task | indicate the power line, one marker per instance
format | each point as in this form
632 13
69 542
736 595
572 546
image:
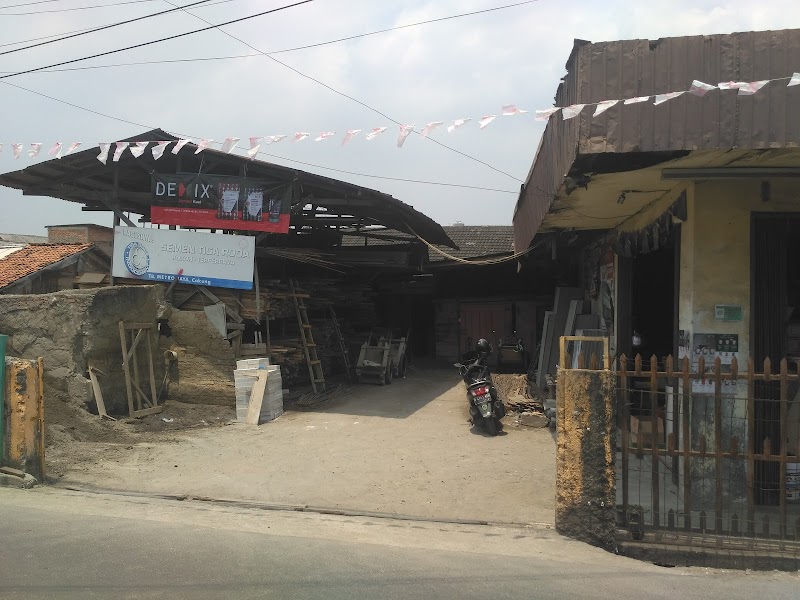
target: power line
369 175
151 42
356 100
102 27
32 3
59 10
282 51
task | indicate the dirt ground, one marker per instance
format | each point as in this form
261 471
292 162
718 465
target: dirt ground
406 448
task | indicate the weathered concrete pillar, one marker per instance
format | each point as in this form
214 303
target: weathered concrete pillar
585 477
23 437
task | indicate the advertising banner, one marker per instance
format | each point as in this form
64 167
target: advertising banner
197 258
218 202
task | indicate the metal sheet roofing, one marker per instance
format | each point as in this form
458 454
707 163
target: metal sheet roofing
721 120
81 178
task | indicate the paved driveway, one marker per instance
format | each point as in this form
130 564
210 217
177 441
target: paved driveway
404 448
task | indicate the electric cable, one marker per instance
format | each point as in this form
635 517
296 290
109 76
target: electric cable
369 175
282 51
157 41
356 100
101 28
72 9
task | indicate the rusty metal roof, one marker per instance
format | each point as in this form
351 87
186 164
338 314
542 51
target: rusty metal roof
81 178
721 120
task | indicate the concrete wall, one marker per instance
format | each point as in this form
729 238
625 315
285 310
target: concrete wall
70 328
715 251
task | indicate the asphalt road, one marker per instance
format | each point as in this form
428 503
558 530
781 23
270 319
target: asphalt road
68 545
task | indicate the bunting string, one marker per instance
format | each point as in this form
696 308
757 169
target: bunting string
138 148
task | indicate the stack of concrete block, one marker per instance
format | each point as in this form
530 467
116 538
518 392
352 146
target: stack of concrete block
245 377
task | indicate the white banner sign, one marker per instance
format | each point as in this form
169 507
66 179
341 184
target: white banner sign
195 258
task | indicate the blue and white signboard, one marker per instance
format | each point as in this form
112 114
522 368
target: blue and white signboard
210 259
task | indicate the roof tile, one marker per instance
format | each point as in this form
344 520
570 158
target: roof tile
33 258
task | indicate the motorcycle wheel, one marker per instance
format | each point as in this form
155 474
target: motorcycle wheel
491 425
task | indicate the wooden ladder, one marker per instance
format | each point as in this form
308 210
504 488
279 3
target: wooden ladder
342 344
309 347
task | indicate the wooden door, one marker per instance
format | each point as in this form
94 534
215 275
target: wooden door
490 321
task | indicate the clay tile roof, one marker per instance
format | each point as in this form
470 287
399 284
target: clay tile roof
35 257
475 241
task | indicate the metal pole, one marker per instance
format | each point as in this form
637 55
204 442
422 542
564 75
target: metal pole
3 342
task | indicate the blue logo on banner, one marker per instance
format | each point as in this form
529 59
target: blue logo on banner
137 260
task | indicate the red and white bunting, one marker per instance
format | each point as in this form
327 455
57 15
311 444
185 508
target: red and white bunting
274 139
604 106
486 120
324 136
181 143
456 124
698 88
121 146
569 112
375 132
72 147
795 80
545 114
204 143
349 135
751 88
229 144
300 136
636 100
36 147
104 148
509 110
139 149
55 150
405 131
430 127
158 149
661 98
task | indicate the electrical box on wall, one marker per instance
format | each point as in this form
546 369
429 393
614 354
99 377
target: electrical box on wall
728 312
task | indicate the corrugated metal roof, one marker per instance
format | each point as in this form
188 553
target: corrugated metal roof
33 258
631 68
21 238
80 177
473 241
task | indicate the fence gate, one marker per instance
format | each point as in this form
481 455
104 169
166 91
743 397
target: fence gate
708 457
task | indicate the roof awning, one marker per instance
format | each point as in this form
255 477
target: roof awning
325 203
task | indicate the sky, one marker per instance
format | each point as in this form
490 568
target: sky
465 67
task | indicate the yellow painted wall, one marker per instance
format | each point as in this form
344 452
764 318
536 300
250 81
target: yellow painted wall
715 251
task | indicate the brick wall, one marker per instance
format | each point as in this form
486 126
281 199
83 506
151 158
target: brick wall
102 237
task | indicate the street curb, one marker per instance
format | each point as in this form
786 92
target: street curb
304 508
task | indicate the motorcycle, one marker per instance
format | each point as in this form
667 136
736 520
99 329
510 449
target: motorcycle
485 407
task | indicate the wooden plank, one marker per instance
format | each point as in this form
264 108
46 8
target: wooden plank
130 326
136 340
125 366
98 395
258 289
256 399
153 392
147 411
751 463
655 482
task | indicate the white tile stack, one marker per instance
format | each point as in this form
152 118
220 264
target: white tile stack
245 377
